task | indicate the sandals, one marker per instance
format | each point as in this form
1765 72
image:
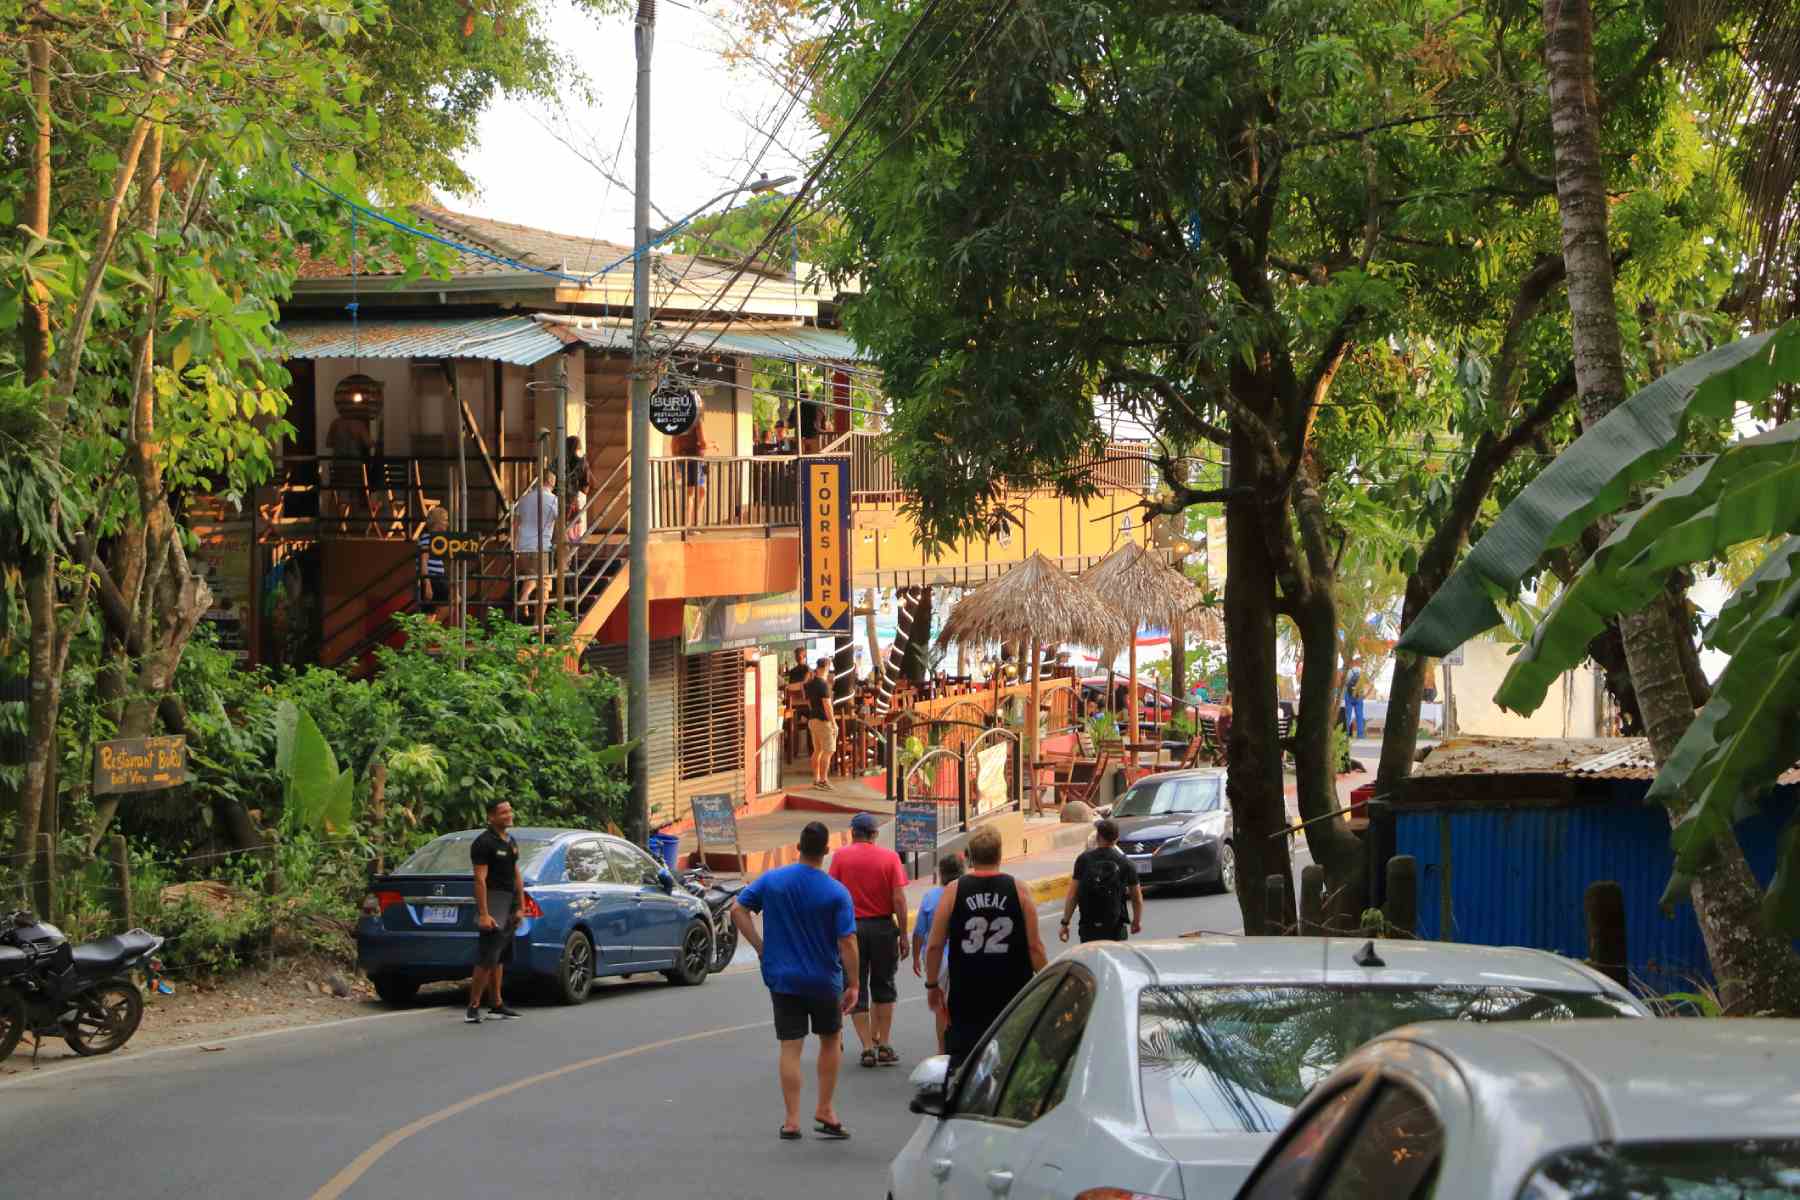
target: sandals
831 1132
790 1135
870 1057
887 1056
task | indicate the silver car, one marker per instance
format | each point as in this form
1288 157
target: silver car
1603 1110
1164 1069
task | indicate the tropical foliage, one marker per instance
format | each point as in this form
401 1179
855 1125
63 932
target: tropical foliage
1748 733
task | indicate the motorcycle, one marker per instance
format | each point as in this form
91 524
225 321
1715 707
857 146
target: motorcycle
83 994
719 897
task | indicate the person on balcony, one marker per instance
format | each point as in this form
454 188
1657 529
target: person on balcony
694 447
434 583
534 540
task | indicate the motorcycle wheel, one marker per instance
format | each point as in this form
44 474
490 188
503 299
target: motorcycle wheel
106 1016
725 943
12 1020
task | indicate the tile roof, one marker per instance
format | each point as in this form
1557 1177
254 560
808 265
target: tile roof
563 253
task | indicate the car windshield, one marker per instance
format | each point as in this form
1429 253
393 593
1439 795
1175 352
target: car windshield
1163 797
1734 1170
1238 1059
449 855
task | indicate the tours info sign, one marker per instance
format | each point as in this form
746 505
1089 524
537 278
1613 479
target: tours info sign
140 765
825 545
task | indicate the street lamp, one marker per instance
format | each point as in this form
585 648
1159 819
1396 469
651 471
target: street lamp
762 185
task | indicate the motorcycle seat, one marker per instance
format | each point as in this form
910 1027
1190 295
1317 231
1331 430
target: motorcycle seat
13 961
110 953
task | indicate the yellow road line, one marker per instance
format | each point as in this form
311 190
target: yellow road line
340 1183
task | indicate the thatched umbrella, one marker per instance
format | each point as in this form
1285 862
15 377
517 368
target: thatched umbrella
1145 591
1033 603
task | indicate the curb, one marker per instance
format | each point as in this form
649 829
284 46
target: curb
1046 890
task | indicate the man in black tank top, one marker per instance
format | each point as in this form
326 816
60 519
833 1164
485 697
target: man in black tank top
991 930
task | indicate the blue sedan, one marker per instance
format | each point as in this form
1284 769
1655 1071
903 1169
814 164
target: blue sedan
596 905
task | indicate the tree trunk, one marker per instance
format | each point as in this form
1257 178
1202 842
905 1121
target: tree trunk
1253 779
1754 971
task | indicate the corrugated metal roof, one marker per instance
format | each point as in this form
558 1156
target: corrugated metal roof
1469 755
513 339
795 343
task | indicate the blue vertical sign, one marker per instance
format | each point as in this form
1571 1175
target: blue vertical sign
825 545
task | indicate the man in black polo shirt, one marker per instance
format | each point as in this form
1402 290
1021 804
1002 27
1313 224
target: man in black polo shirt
499 892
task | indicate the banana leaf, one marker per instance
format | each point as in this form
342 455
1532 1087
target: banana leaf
1764 586
1749 491
1595 477
1739 743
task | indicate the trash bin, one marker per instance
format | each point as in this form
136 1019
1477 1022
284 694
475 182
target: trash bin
666 847
1359 801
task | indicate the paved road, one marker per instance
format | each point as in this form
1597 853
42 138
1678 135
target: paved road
644 1091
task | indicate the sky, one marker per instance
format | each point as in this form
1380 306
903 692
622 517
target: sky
703 135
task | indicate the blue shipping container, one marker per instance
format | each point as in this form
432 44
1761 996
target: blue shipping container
1516 876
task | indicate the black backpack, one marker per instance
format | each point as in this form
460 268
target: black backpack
1101 896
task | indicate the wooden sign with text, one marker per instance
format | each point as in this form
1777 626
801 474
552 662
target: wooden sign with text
140 765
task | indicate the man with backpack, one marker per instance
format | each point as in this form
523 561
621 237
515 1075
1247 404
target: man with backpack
1102 881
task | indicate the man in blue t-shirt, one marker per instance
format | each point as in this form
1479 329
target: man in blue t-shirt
808 948
949 870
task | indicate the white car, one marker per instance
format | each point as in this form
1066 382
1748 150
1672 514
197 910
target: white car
1164 1069
1603 1110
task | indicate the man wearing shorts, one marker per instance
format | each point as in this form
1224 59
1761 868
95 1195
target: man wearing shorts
877 884
499 894
819 723
808 949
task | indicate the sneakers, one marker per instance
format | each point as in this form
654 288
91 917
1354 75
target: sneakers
501 1012
472 1017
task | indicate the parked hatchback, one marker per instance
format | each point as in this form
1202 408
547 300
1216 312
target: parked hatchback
1673 1110
597 905
1164 1069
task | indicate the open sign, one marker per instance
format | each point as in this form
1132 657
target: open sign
450 545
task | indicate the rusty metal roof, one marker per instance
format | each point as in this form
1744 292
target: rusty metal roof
509 339
1585 758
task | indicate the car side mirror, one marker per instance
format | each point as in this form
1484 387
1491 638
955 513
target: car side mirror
931 1087
664 879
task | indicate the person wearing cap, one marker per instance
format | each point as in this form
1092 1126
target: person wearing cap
877 885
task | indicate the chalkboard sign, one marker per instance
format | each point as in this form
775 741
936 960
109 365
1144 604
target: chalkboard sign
140 765
915 827
715 825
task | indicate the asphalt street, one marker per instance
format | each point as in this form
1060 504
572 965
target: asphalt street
645 1091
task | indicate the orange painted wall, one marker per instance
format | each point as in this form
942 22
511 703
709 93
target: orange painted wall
883 538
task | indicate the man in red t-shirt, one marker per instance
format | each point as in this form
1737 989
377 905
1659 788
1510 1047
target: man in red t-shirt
877 884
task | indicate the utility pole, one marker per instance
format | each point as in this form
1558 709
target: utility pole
637 603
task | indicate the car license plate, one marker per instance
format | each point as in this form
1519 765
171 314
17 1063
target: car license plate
1140 861
439 914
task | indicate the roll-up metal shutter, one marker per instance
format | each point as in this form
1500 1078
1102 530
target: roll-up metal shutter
710 735
659 742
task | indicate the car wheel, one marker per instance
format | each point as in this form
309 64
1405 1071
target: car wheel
695 963
575 973
1227 869
394 990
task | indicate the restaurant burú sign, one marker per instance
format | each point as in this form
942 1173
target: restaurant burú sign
140 764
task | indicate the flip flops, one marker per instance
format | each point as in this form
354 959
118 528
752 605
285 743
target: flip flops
790 1135
831 1132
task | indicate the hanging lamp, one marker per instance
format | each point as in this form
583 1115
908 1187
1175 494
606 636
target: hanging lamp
357 394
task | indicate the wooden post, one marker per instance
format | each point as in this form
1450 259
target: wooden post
44 877
1604 906
1275 905
1402 906
121 871
1031 721
378 809
1312 900
1132 703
